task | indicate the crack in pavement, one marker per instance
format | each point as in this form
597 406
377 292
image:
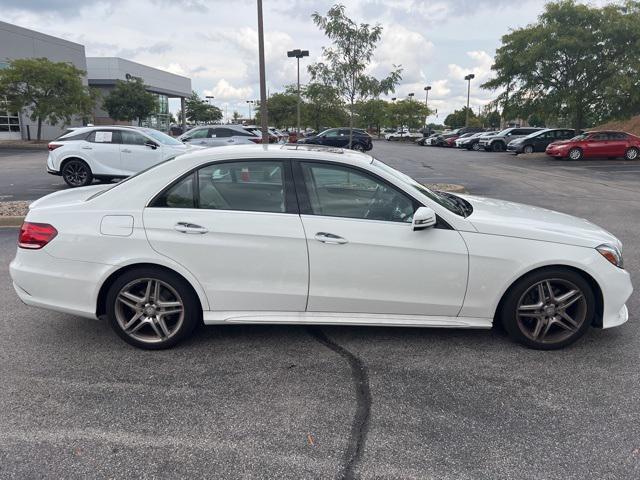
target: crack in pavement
360 424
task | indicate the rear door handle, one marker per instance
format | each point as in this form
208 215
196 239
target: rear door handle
87 148
325 237
186 227
126 150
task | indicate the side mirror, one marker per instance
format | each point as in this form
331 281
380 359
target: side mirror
424 217
151 145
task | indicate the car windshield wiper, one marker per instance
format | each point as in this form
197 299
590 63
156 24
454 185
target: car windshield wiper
462 205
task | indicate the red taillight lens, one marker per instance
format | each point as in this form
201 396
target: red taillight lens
36 235
53 146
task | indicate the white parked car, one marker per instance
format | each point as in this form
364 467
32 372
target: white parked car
105 153
300 234
400 134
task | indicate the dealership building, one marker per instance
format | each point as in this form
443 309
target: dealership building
102 73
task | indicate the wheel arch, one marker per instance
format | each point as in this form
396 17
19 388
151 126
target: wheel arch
73 157
597 321
101 306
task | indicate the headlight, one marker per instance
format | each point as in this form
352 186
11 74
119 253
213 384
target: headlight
612 254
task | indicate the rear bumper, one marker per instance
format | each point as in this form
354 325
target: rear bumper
51 171
67 286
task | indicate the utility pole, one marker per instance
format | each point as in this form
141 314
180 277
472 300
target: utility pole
263 81
298 54
468 78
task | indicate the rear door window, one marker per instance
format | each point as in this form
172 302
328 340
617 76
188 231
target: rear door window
104 136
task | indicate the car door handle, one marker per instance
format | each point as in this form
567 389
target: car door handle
186 227
330 238
125 150
87 148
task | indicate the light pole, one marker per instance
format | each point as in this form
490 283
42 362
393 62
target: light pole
263 78
209 98
426 103
410 95
298 54
468 78
393 99
250 102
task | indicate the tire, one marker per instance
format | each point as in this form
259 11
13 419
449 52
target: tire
632 154
575 154
528 149
498 146
544 325
76 173
358 147
134 312
475 147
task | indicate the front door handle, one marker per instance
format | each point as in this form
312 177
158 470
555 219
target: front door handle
325 237
186 227
126 150
87 148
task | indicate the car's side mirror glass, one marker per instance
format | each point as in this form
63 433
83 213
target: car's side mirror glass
424 217
151 145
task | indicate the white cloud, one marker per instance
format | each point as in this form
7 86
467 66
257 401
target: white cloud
223 90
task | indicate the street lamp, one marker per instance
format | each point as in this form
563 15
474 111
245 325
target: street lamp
468 78
298 54
426 103
209 98
250 102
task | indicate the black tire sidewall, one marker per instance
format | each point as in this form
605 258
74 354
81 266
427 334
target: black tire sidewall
507 315
191 305
89 178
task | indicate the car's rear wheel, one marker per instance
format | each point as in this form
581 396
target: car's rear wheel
151 308
575 154
632 153
548 309
498 146
76 173
528 149
358 147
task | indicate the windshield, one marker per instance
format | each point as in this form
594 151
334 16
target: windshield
503 132
582 136
451 202
161 137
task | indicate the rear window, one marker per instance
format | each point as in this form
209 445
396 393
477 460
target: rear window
69 135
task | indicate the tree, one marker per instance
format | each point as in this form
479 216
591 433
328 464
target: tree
282 108
322 106
198 111
345 62
130 100
458 118
407 113
236 116
372 113
50 91
577 61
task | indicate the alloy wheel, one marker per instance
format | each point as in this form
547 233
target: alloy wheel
551 311
632 154
475 147
528 149
75 174
575 154
149 310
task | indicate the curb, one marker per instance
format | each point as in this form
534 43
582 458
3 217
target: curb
13 221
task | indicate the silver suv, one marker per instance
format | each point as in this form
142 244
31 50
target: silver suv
219 135
499 141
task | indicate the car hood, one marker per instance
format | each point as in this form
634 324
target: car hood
510 219
560 142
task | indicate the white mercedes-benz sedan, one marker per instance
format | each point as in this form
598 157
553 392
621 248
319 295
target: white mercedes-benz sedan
311 235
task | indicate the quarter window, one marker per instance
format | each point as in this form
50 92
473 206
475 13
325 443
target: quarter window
338 191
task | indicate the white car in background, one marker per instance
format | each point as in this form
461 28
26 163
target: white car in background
104 153
403 133
307 235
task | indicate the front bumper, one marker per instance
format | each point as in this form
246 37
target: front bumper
515 148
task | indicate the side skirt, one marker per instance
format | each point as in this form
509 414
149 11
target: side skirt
333 318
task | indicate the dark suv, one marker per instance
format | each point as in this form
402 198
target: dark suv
538 141
339 137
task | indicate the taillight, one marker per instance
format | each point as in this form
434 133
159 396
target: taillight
36 235
255 139
53 146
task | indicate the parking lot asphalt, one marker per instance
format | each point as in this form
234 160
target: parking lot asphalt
331 402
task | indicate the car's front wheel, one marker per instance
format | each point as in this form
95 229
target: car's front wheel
475 147
358 147
548 309
575 154
151 308
632 153
76 173
498 146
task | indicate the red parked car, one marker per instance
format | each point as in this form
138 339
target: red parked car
600 144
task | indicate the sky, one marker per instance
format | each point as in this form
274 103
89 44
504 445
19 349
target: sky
215 42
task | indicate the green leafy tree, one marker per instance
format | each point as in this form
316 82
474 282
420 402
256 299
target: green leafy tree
236 117
51 92
322 106
407 113
577 61
345 62
458 118
372 113
490 119
198 111
282 108
130 100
